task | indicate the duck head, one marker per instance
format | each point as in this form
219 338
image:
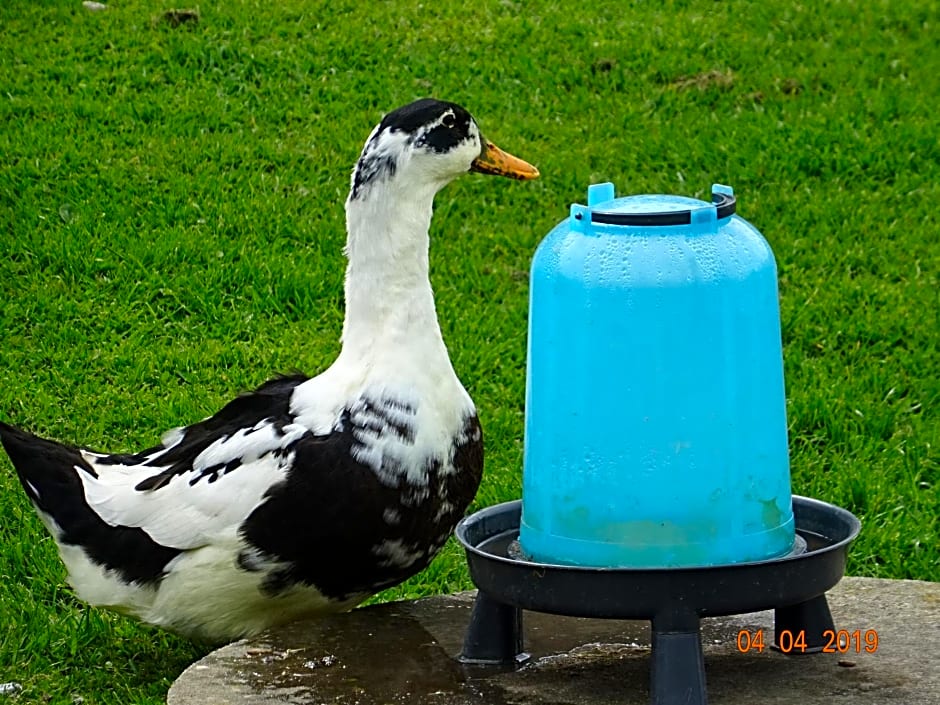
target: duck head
427 144
411 154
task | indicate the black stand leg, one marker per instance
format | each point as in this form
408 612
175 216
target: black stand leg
494 636
677 672
805 622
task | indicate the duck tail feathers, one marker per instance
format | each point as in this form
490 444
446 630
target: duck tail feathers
47 469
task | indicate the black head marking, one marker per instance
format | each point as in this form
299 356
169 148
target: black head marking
372 166
412 117
435 125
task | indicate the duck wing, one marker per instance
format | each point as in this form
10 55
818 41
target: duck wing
204 479
135 512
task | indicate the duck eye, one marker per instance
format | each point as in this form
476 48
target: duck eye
449 120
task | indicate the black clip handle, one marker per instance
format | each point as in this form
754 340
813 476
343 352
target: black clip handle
726 205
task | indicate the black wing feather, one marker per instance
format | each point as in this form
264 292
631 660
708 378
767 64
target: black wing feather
270 401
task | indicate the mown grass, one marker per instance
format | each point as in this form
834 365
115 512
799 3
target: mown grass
171 228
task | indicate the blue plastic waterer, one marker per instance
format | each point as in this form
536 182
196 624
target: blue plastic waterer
655 430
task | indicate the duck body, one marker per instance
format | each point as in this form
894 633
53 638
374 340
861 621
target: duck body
306 495
249 518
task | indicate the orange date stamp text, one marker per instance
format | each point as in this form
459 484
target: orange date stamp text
840 641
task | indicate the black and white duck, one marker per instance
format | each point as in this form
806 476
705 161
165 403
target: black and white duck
308 494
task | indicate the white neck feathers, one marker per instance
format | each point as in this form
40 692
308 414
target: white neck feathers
389 303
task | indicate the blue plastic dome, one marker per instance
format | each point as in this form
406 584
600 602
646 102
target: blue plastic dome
655 431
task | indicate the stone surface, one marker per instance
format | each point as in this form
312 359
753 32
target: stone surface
403 653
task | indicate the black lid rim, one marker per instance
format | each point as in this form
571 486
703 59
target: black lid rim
726 205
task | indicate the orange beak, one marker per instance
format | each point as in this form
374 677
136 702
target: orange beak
493 160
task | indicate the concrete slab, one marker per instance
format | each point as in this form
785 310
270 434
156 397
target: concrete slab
404 653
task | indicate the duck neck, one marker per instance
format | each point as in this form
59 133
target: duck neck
389 302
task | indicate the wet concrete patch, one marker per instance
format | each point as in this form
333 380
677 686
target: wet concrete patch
404 653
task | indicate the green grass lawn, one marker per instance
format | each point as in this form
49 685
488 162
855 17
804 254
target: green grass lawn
171 226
